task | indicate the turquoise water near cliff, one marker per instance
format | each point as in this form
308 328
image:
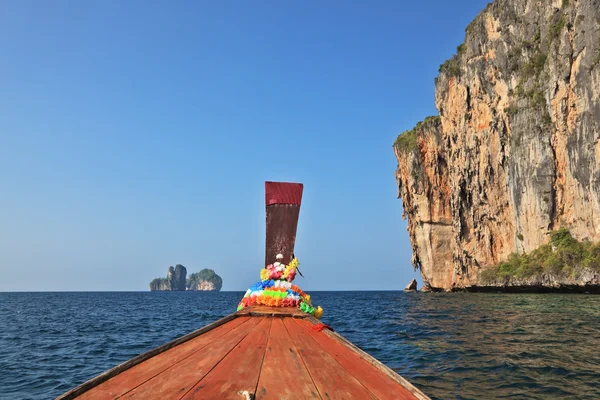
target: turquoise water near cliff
459 345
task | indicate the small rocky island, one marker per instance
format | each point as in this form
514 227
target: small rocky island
205 280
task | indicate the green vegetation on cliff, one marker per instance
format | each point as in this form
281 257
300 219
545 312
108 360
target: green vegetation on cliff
407 140
563 256
160 284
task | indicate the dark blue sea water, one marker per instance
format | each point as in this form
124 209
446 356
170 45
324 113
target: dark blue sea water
461 345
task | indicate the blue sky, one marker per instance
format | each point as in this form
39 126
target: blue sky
137 135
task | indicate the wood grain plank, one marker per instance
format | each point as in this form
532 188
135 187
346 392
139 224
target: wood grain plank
282 221
140 373
331 379
283 374
368 374
366 356
176 381
238 371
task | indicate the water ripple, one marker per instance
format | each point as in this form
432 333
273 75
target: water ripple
461 346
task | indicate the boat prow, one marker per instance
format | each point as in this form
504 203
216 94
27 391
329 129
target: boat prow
256 353
259 352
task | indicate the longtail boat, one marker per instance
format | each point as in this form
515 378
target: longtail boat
273 347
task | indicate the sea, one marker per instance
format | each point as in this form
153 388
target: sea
450 345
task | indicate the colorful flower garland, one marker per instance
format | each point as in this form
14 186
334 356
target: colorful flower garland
276 290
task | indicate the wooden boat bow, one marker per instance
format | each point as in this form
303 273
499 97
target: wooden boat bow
258 352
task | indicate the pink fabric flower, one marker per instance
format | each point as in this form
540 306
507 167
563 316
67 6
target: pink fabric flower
291 275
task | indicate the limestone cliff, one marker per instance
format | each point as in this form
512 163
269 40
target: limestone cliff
514 152
175 280
205 280
160 284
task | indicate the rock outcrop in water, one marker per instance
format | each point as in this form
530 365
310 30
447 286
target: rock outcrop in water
205 280
514 154
177 277
175 280
160 284
412 286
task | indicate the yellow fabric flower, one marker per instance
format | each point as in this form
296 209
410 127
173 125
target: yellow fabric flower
264 274
307 299
290 267
318 312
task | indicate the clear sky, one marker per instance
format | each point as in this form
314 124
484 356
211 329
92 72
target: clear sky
135 135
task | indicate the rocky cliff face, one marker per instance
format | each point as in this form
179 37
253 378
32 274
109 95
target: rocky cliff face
205 286
206 280
177 277
175 280
514 152
160 284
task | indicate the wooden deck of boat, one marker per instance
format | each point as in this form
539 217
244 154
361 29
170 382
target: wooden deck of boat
272 353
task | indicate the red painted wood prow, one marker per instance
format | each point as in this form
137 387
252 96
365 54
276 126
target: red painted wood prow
282 200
